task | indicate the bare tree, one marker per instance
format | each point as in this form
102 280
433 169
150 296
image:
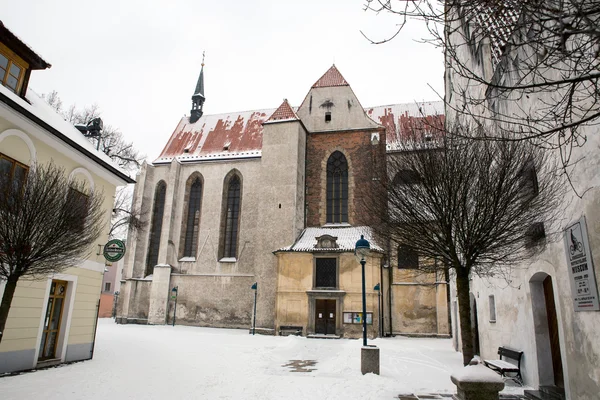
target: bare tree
468 206
110 139
124 215
112 143
531 66
48 224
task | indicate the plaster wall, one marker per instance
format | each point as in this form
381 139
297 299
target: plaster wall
271 216
516 297
29 144
341 102
295 288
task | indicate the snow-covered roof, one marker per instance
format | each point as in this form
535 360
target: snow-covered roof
239 134
283 113
347 236
37 107
402 120
216 136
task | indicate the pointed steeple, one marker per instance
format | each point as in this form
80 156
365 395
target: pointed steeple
198 96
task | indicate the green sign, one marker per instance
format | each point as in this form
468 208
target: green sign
114 250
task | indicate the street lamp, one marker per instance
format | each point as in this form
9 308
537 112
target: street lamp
255 288
174 297
361 251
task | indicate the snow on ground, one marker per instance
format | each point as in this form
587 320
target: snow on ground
165 362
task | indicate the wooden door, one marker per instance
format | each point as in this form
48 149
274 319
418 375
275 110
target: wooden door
553 330
325 317
56 300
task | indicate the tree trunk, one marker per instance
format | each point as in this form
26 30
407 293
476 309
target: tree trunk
464 311
9 291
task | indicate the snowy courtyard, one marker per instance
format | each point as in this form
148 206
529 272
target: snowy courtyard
165 362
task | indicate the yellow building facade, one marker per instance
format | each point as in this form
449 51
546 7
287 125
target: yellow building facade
52 319
319 285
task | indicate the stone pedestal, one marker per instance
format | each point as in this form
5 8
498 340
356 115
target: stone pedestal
477 382
369 360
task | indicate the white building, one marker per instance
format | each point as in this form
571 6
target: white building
538 311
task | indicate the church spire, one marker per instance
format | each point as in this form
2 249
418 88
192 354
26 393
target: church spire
198 96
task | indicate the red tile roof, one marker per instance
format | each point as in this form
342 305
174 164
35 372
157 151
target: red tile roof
239 134
284 112
331 78
402 121
231 135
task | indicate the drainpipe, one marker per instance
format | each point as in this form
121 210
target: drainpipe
390 277
95 328
381 299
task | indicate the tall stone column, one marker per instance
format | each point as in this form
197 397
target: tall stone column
159 295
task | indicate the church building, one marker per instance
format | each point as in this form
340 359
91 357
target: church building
271 200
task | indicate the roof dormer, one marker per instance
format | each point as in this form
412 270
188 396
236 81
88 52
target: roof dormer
17 61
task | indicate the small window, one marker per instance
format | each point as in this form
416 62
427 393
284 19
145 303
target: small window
77 203
107 286
328 116
407 177
535 234
326 273
12 171
492 308
529 180
408 258
11 72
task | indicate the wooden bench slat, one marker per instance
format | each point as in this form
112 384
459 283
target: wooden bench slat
505 365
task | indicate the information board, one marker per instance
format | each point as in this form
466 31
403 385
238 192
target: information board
581 267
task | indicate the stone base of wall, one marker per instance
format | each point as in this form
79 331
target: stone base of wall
125 320
423 335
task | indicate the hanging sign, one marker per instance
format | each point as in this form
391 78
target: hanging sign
114 250
581 268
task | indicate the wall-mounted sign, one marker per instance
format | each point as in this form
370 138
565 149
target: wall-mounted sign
114 250
581 267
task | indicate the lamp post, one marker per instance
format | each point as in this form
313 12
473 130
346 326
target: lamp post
255 288
174 293
378 289
361 251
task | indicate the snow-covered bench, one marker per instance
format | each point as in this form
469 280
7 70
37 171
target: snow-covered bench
503 367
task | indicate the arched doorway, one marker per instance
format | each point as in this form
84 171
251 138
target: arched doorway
547 338
474 325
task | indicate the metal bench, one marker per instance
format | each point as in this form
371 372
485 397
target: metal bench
504 367
286 330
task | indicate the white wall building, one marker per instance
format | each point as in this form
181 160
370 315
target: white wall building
535 310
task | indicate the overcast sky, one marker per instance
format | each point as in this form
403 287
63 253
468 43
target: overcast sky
140 60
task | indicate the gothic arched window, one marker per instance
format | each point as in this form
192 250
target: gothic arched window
192 218
230 219
337 188
156 226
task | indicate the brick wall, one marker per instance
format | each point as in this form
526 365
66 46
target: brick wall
366 164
